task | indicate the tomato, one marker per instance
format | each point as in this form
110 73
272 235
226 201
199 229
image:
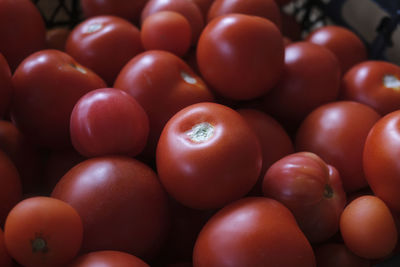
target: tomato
263 8
374 83
5 259
22 30
335 254
345 44
368 228
311 78
204 6
166 30
290 27
5 86
188 9
254 231
104 44
121 202
56 38
208 156
47 84
311 189
380 162
108 121
240 56
158 75
43 231
108 258
337 132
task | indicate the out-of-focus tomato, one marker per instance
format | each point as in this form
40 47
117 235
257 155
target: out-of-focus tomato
22 30
290 27
374 83
380 159
345 44
121 202
311 77
163 84
56 38
204 6
166 30
43 231
368 228
108 121
336 254
5 86
337 132
252 232
208 156
108 258
104 44
47 84
240 56
187 8
311 189
5 259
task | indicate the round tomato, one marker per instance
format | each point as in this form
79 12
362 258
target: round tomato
252 232
204 6
108 258
240 56
335 254
43 231
5 259
208 156
56 38
5 86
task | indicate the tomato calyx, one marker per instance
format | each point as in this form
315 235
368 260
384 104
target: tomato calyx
328 191
391 81
188 78
200 132
39 244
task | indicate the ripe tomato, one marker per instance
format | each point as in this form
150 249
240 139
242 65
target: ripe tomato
56 38
240 56
204 6
121 202
43 231
5 86
254 231
374 83
5 259
47 84
104 44
335 254
166 30
208 156
108 121
368 227
108 258
346 45
337 132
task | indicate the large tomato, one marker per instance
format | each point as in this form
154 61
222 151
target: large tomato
208 156
5 86
108 258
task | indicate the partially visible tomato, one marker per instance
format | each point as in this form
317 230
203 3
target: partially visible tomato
109 258
204 6
5 259
56 38
337 254
6 89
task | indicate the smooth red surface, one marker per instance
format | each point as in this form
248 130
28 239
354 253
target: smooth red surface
56 38
337 254
5 259
6 89
108 258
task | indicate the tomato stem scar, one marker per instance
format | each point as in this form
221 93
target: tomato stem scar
200 132
328 191
93 27
391 81
39 245
78 68
188 78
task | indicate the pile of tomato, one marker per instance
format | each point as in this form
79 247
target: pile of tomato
194 133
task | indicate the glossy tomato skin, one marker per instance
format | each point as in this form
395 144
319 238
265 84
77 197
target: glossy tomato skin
380 162
121 202
5 259
208 156
5 86
43 231
374 83
104 44
47 84
254 231
108 258
311 189
346 45
311 77
22 30
368 228
337 254
108 121
159 75
337 132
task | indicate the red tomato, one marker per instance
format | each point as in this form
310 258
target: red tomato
104 44
5 259
380 159
335 254
108 121
252 232
56 38
337 132
208 156
374 83
240 56
204 6
368 228
47 84
163 84
187 8
5 86
121 202
166 30
346 45
311 189
43 231
311 78
108 258
263 8
22 30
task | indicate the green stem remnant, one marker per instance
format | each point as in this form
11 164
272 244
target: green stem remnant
200 132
